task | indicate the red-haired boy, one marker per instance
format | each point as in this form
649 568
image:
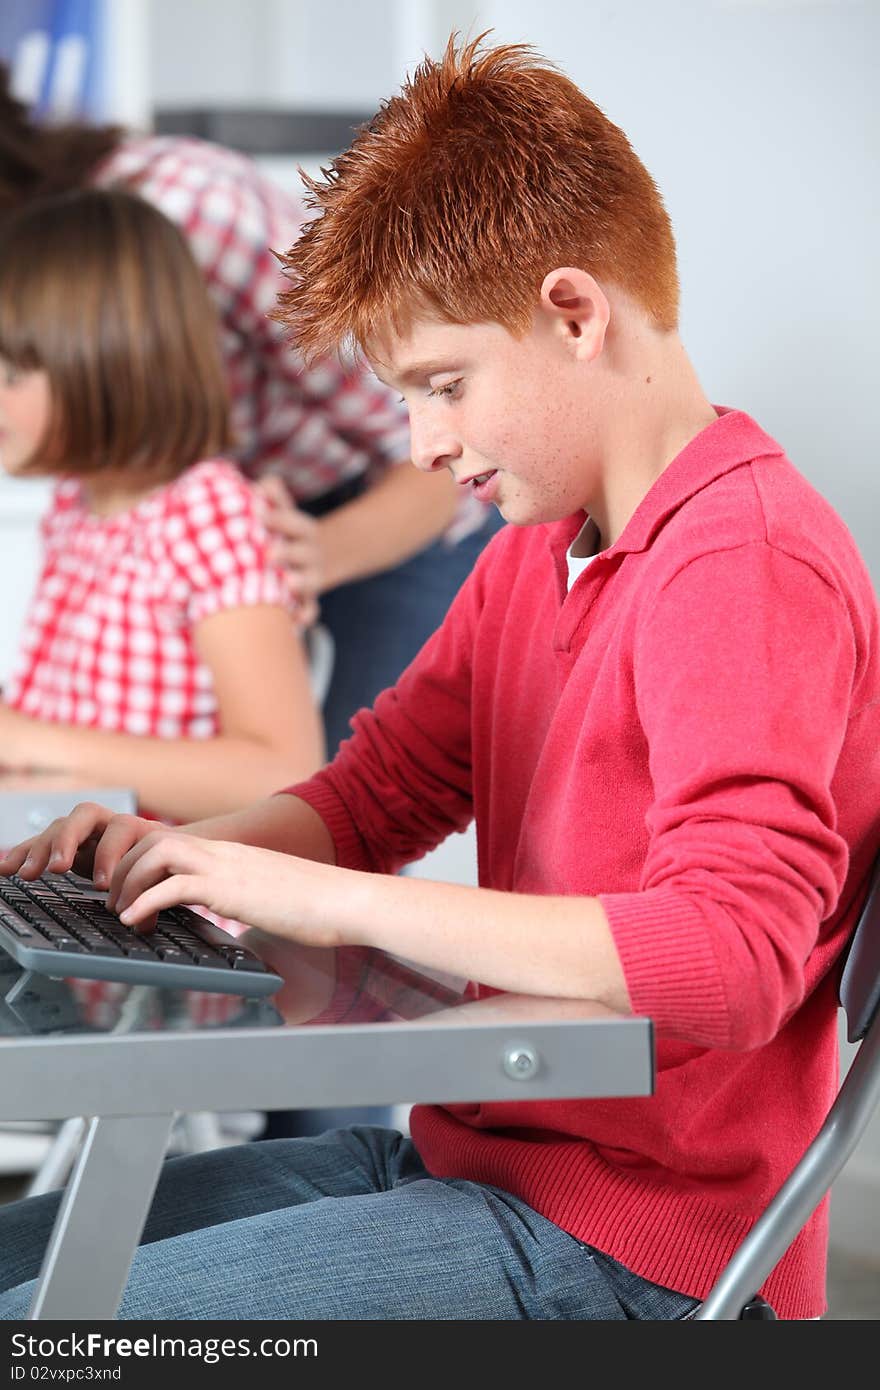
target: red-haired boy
659 695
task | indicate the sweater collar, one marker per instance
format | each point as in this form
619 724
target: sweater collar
730 441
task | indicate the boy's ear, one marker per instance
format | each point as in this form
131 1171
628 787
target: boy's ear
579 309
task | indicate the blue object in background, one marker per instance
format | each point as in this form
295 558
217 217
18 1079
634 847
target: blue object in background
54 49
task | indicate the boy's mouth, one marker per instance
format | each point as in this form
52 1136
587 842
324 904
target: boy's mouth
479 479
484 485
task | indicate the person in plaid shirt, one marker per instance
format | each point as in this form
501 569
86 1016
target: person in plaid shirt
382 548
161 648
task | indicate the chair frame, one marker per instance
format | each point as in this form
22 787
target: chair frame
733 1295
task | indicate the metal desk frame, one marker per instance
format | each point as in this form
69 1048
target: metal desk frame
134 1084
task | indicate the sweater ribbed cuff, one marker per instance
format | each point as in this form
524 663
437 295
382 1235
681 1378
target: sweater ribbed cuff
664 943
321 795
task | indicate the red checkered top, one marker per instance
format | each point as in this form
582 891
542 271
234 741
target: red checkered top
109 638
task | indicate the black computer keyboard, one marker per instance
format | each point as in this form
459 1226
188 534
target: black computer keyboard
60 925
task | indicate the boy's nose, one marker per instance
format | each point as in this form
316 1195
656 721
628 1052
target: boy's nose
431 449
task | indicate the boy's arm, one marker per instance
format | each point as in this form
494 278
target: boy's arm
558 947
284 824
403 782
745 671
744 706
92 839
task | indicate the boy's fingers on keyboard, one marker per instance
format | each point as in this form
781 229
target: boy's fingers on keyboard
39 853
84 859
119 836
68 838
12 859
157 857
171 892
119 895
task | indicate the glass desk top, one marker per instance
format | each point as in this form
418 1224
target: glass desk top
354 986
346 1028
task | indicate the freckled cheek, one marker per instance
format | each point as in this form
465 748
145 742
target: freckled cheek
509 435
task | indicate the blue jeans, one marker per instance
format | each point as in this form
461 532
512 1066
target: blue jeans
378 625
346 1226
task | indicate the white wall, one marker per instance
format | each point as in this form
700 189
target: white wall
275 52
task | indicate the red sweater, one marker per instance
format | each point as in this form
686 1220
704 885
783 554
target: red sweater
692 733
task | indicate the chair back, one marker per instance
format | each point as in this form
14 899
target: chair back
860 982
845 1123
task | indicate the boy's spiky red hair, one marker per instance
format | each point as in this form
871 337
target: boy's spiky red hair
487 171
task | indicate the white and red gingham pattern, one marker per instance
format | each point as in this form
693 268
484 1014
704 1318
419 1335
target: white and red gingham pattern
109 638
317 426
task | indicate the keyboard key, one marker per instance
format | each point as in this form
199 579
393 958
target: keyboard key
19 928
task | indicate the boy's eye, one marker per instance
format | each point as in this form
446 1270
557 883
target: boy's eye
450 389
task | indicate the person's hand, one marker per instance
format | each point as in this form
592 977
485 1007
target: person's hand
91 840
296 546
276 892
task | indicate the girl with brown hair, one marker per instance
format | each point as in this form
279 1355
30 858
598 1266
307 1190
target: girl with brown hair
162 649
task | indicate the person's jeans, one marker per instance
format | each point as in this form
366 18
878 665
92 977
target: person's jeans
346 1226
378 625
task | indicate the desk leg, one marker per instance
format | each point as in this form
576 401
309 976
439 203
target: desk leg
101 1218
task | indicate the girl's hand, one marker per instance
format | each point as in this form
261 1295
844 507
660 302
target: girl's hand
262 888
91 840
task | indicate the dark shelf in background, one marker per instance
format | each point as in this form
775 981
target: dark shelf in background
263 131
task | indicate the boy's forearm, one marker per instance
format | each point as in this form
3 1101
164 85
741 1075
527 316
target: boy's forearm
283 823
560 947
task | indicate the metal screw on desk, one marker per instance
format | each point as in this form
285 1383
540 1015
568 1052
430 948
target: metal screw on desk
520 1062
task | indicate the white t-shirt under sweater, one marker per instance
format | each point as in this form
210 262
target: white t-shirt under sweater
583 549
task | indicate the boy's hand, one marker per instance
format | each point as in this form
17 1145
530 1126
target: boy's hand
91 841
260 887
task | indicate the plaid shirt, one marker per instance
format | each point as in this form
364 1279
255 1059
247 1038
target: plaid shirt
318 426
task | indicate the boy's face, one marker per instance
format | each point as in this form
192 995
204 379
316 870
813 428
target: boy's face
509 417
